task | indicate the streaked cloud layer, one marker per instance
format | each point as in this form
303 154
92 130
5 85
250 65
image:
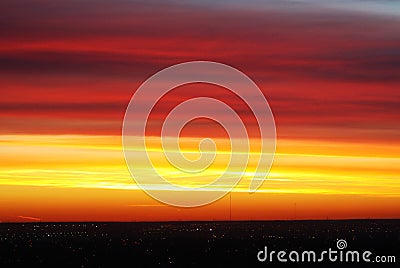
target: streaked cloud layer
330 71
82 61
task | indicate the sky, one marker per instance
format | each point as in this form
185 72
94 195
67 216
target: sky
330 71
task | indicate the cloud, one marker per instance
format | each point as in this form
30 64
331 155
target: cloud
146 205
29 218
80 62
75 39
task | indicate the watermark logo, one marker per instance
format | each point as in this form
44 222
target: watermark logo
341 244
330 255
146 170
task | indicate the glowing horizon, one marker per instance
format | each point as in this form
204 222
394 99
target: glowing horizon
311 173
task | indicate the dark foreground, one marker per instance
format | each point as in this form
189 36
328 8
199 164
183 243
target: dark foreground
193 243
